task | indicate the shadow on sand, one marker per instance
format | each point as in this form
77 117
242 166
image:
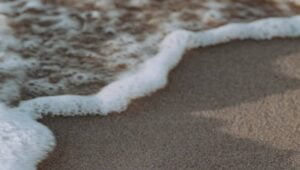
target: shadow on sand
157 133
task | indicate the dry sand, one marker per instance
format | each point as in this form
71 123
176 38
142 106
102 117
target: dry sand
231 106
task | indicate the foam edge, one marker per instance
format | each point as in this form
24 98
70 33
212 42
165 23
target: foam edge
29 141
152 75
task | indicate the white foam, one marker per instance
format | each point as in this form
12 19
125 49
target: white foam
6 39
152 74
138 3
62 34
6 7
33 4
23 141
9 91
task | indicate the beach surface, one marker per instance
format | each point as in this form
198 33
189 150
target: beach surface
230 106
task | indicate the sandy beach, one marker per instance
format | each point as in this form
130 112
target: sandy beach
230 106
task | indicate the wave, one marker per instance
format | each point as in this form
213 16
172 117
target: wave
55 38
24 141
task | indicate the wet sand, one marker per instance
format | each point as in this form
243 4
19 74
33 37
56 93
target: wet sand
231 106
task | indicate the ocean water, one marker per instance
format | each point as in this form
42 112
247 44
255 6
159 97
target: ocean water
77 47
75 57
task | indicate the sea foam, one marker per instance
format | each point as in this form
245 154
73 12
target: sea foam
24 141
153 73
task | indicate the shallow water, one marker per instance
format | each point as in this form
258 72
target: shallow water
77 47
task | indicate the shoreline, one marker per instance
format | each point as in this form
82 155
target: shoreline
44 45
223 107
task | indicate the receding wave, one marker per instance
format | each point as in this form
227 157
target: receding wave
72 57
